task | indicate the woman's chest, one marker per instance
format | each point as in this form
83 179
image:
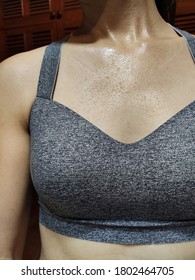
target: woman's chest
83 170
128 97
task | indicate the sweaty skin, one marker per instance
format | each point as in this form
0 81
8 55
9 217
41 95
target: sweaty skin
120 44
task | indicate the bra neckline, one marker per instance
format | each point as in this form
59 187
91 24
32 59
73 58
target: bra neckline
110 138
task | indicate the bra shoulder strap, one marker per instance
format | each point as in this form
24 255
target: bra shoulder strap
189 38
49 69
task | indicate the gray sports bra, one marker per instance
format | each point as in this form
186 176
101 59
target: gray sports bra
93 187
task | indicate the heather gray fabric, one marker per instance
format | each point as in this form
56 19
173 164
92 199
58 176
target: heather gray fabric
93 187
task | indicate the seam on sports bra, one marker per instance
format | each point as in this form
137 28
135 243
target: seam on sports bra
55 78
58 66
135 223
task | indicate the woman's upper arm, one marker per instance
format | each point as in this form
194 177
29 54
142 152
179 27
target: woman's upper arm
15 180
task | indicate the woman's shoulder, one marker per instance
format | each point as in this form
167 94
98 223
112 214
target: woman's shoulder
22 67
19 76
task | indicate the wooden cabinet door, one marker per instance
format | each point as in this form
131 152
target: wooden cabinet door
40 11
12 9
185 15
29 24
2 46
1 16
19 40
69 16
18 13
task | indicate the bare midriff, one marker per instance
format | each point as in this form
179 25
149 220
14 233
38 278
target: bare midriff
59 247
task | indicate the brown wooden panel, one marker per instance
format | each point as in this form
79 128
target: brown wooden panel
2 46
1 16
185 15
70 21
41 38
27 21
26 12
72 17
71 14
42 35
24 39
15 43
39 6
11 8
71 4
185 7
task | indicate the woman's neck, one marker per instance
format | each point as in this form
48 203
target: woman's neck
127 20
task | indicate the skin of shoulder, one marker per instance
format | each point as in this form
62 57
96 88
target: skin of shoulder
19 79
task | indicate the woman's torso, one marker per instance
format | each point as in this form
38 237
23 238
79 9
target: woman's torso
114 101
56 246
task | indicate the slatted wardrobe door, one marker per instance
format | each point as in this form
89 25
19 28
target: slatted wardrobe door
19 40
12 8
186 22
71 4
15 44
29 24
71 16
39 6
185 15
41 38
68 30
43 35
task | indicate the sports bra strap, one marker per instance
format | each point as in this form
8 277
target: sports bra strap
189 38
51 61
49 69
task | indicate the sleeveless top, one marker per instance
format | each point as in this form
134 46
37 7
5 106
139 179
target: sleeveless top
93 187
